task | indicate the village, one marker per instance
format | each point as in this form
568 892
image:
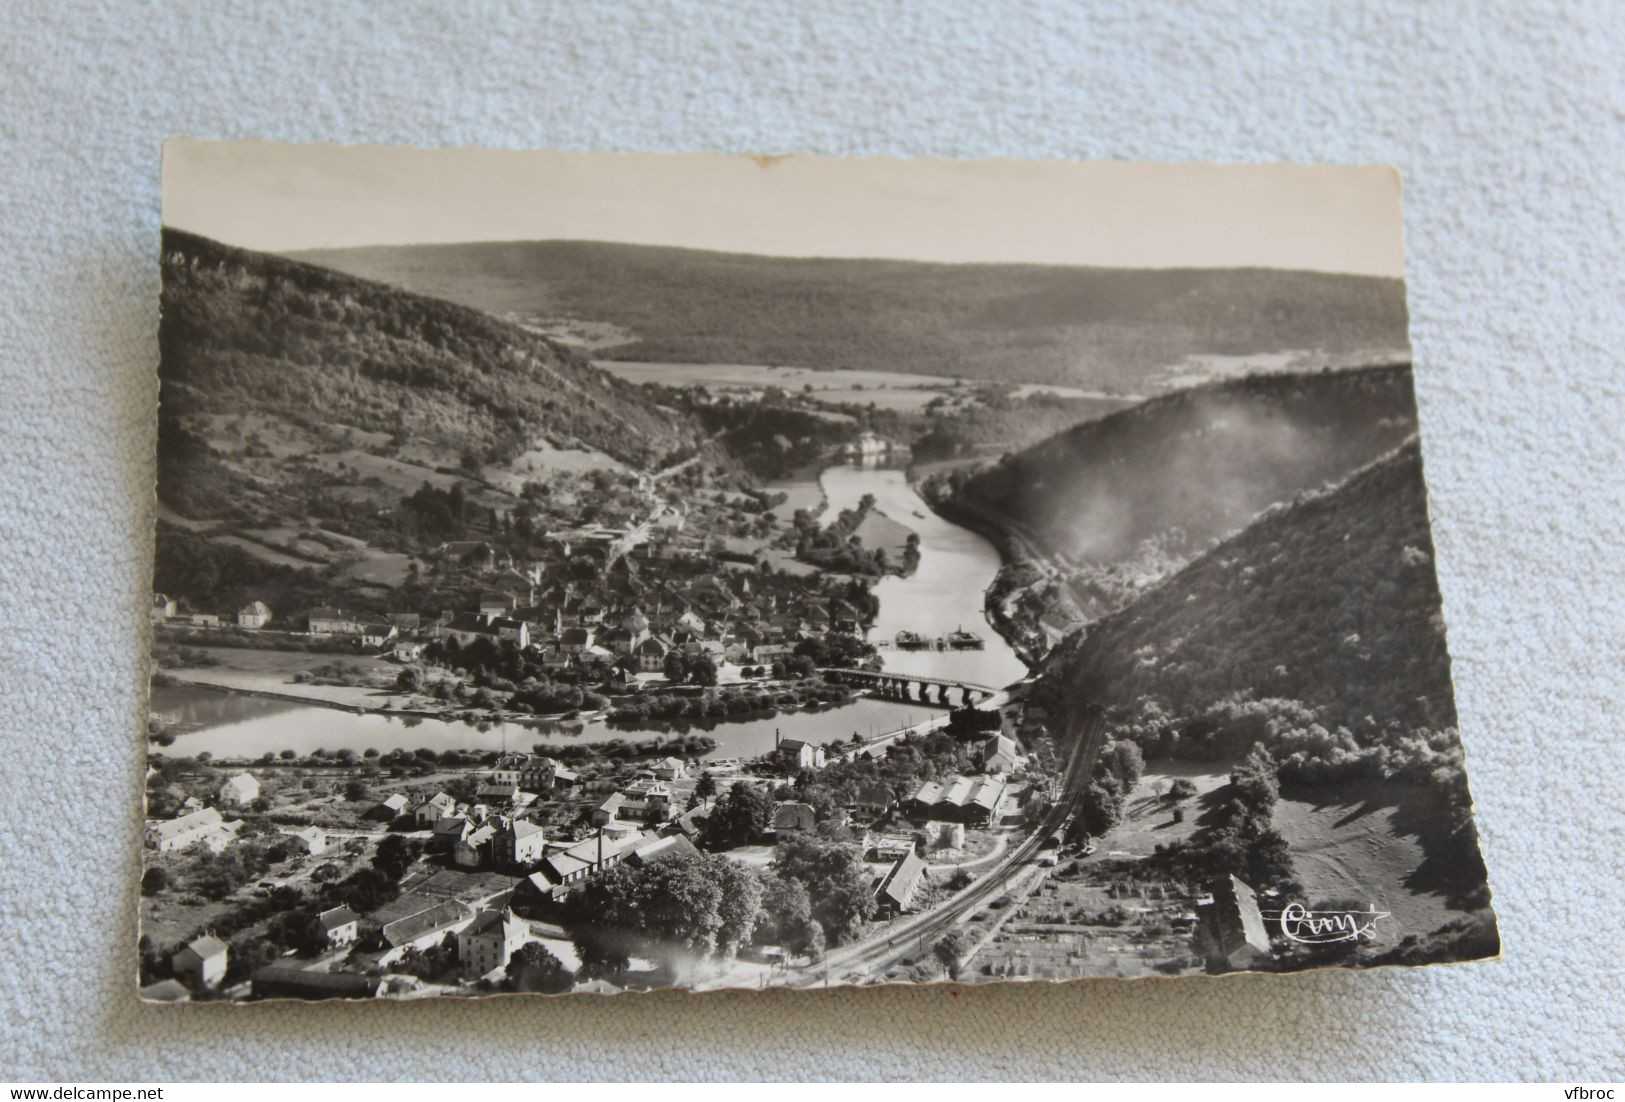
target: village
436 884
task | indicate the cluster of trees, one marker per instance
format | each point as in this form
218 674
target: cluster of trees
693 907
836 546
681 909
724 703
767 438
1237 838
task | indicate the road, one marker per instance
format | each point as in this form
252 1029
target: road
870 957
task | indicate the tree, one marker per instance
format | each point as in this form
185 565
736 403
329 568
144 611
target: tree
533 968
677 908
706 788
950 951
356 790
154 880
738 818
1126 762
836 879
786 918
395 854
675 666
703 670
408 680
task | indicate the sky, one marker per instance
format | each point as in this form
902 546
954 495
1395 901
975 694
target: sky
285 197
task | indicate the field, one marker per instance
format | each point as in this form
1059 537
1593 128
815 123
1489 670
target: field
1366 844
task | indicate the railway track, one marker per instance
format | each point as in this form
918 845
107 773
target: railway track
869 956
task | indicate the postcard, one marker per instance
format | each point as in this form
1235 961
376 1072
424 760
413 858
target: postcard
603 572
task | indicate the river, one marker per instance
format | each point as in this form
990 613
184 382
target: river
231 725
943 594
947 590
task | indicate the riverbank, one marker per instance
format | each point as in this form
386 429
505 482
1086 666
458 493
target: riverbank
1019 566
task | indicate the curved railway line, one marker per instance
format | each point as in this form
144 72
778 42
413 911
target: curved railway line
869 957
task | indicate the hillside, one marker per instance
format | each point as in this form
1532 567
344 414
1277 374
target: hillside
244 332
1317 632
1123 498
1100 327
1327 606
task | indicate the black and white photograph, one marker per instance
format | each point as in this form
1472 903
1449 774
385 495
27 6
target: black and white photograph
609 572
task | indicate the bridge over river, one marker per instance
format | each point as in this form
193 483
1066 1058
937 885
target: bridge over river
908 686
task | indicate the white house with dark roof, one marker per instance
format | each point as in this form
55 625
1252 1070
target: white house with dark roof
310 840
485 945
340 926
202 962
520 843
244 788
254 615
435 808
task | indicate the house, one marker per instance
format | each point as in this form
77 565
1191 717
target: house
493 604
309 841
203 620
407 650
332 621
376 633
474 848
202 963
889 847
670 769
405 621
895 889
520 843
485 945
1000 754
641 802
340 926
475 555
793 816
689 823
239 790
162 608
290 981
1235 927
651 654
540 774
466 627
425 929
874 798
435 808
206 826
797 754
662 849
449 832
498 794
254 615
390 808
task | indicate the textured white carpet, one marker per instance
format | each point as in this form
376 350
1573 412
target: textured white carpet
1508 127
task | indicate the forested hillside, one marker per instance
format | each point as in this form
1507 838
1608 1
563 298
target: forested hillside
1317 631
250 332
1124 497
1024 322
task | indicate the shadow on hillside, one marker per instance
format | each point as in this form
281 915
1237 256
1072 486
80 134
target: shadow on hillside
1451 866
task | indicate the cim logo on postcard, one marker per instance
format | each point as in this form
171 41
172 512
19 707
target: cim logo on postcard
1306 927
